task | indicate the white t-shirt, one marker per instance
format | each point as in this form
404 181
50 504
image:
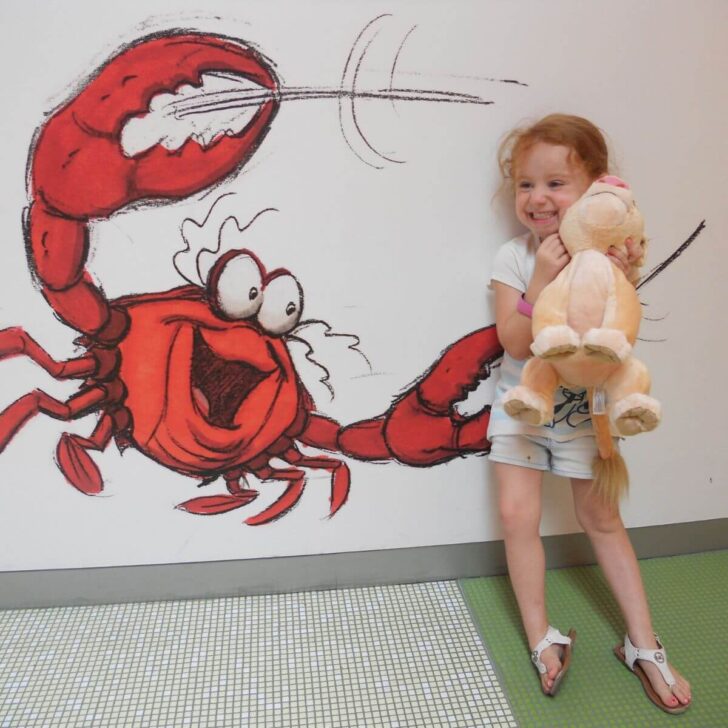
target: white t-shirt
513 265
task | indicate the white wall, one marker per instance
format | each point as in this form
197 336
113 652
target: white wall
399 256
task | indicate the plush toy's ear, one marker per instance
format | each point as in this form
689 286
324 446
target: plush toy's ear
610 179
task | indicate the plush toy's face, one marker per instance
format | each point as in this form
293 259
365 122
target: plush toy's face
605 215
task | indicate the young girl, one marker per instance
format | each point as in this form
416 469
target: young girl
550 165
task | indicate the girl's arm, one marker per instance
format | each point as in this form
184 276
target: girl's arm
514 329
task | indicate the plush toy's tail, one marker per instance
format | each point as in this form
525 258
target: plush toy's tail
611 478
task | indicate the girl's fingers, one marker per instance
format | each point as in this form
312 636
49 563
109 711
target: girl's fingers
616 255
634 250
619 257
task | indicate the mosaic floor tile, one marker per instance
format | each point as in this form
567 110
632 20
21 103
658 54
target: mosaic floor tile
397 656
688 596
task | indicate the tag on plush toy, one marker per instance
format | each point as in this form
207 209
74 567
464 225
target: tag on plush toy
599 402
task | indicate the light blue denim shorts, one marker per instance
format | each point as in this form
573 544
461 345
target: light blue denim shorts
570 459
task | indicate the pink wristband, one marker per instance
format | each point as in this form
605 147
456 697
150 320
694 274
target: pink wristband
524 307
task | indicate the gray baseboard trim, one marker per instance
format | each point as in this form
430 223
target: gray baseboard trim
119 584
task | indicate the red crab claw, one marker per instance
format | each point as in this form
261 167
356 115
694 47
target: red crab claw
163 119
422 427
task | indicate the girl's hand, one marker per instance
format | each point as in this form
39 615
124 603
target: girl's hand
551 259
626 260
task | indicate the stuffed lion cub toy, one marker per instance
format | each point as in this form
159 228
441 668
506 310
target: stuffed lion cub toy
585 324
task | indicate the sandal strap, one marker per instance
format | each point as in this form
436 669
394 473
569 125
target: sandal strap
657 657
552 637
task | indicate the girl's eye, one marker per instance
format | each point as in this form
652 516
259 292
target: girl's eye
283 305
239 288
524 185
556 183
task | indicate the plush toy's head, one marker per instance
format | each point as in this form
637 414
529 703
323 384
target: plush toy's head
605 215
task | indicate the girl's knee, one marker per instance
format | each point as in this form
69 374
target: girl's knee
596 516
518 518
519 499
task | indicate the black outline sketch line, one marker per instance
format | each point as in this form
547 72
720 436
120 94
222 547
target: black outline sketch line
465 77
655 318
343 84
216 249
357 70
394 63
219 233
188 247
661 267
226 100
672 258
326 379
329 333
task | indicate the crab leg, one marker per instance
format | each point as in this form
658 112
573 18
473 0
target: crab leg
291 495
20 411
16 341
210 505
340 476
340 481
75 462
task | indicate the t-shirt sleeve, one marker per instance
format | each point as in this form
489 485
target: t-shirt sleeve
508 267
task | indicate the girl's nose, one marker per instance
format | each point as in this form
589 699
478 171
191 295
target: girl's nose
538 194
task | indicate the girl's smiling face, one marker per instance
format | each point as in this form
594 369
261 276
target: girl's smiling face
548 180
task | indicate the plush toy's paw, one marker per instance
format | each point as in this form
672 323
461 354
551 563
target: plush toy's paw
524 405
555 342
609 344
636 413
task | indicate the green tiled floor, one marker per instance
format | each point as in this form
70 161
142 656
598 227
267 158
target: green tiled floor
689 600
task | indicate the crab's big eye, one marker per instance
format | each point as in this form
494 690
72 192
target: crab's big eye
283 305
239 288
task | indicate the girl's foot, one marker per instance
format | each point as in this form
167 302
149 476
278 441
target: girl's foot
552 657
665 687
678 695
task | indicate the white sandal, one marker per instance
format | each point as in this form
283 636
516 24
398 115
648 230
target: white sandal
554 637
628 656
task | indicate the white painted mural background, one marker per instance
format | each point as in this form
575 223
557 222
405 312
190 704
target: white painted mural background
399 256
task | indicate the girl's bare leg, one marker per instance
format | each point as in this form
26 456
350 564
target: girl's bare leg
519 501
603 525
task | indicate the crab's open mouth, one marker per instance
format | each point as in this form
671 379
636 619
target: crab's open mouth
220 386
223 105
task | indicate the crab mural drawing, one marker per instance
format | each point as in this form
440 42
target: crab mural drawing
200 378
